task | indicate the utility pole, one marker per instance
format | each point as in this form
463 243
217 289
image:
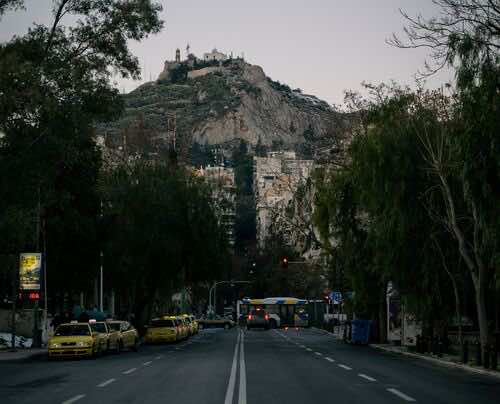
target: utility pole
14 297
101 271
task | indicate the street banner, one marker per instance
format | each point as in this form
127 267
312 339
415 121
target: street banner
30 269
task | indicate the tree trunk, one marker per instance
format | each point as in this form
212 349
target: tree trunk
383 315
482 317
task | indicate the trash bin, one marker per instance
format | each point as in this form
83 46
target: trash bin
360 331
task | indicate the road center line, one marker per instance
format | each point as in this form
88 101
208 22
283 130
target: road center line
318 353
103 384
127 372
330 359
242 399
371 379
75 398
147 363
344 367
401 395
232 377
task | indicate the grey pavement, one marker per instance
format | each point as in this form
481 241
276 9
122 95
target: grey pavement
238 366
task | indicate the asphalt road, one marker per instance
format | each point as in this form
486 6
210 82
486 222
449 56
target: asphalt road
255 367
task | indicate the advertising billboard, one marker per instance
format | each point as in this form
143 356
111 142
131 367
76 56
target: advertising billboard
30 269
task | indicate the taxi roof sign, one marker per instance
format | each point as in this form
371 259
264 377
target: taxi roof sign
92 321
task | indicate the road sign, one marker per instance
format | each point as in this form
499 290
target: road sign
336 297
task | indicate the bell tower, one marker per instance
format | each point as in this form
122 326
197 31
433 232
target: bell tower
178 55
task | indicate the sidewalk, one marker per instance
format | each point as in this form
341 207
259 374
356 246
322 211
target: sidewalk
22 354
445 361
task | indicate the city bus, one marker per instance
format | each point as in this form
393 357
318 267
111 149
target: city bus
283 311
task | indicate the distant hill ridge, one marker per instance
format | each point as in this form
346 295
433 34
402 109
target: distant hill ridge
220 102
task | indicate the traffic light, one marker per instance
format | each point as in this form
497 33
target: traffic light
284 262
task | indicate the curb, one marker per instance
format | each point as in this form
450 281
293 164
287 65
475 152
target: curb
326 332
24 357
439 361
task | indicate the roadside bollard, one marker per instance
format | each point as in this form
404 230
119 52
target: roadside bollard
479 362
486 360
418 344
465 352
494 358
440 347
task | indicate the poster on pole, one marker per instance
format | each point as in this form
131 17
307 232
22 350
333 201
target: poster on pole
30 268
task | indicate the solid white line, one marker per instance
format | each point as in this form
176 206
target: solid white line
318 353
127 372
330 359
147 363
72 400
103 384
232 377
371 379
401 395
308 349
242 399
344 367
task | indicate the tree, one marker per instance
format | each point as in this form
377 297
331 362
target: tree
466 37
50 79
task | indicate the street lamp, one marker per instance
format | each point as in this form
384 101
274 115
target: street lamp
214 288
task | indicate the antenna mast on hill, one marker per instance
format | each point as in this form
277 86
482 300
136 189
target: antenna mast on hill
188 48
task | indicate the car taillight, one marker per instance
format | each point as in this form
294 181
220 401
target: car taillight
266 316
249 316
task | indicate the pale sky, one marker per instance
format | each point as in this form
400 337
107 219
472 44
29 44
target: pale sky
321 46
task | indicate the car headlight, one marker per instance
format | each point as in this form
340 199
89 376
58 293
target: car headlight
54 345
81 343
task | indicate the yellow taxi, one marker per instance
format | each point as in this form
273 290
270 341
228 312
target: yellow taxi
190 323
128 335
195 324
183 327
75 339
110 337
162 329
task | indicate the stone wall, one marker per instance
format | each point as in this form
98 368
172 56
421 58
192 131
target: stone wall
193 74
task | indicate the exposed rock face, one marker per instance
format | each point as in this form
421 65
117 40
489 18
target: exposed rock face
236 100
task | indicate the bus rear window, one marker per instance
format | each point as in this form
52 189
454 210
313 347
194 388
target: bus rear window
162 323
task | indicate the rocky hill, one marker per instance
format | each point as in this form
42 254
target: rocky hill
221 103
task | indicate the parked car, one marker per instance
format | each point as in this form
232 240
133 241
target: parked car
258 318
75 339
111 337
163 329
128 335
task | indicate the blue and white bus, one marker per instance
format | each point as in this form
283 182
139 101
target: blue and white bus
283 311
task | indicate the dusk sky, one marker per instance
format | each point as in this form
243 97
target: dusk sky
321 46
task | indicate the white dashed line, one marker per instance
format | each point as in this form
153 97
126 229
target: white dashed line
308 349
127 372
318 353
104 384
75 398
330 359
344 367
370 379
159 357
401 395
147 363
302 346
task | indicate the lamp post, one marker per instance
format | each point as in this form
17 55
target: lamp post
214 288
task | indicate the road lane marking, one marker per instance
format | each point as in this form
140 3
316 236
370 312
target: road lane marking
232 377
104 384
308 349
371 379
75 398
127 372
318 353
302 346
159 357
147 363
330 359
344 367
401 395
242 399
